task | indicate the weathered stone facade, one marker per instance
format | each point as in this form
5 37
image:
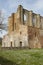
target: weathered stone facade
25 29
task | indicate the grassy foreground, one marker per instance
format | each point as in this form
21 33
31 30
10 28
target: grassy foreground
21 57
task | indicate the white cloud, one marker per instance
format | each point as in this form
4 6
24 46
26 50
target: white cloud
3 10
12 3
28 4
38 7
39 4
2 33
4 15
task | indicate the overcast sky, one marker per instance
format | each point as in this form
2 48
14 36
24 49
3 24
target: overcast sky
9 6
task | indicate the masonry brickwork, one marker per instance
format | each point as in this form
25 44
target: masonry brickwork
25 29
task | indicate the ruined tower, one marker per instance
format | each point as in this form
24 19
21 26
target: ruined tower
25 29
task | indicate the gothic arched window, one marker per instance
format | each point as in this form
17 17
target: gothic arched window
24 18
34 21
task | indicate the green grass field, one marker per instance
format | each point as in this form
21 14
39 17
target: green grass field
21 57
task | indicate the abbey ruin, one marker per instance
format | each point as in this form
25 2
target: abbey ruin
25 29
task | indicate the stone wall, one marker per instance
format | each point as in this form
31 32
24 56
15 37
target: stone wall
25 17
34 37
24 29
16 38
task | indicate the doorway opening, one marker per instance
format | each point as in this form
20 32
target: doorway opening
11 44
20 43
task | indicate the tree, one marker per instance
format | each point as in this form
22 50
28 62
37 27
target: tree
2 26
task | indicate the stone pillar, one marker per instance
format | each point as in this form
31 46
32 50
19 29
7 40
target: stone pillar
22 17
27 15
41 23
38 21
35 20
30 18
13 21
10 24
27 18
20 14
